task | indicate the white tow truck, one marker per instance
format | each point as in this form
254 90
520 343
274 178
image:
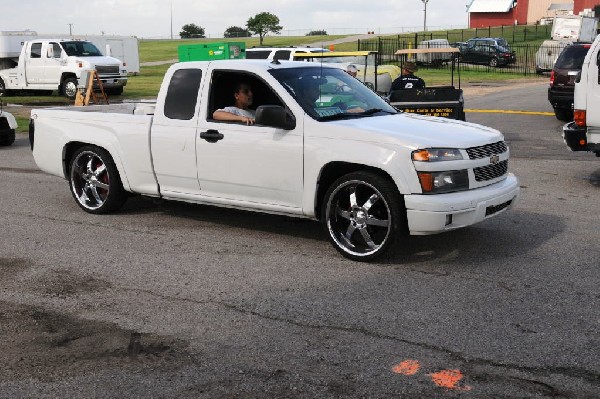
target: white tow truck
46 65
369 173
583 134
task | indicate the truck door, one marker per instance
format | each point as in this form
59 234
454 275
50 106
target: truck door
52 61
248 164
173 136
34 68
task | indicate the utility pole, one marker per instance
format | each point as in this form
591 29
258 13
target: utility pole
425 15
171 20
70 29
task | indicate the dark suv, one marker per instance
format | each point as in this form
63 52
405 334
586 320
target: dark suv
562 79
492 51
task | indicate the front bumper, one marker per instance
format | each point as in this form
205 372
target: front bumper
575 137
432 214
110 82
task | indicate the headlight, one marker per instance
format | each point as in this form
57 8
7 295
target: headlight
437 154
444 182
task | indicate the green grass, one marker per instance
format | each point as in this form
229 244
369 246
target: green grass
22 124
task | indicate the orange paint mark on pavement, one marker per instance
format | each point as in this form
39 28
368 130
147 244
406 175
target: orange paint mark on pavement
407 367
449 379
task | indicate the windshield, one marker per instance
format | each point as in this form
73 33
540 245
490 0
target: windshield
331 93
81 49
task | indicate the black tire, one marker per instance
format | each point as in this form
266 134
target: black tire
95 182
69 88
3 91
494 62
363 215
114 91
7 137
565 115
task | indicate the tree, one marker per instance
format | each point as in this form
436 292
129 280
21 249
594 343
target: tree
263 23
191 31
317 33
236 31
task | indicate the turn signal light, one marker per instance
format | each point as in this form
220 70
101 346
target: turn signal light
579 117
426 181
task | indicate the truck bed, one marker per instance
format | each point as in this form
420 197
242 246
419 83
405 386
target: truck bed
119 128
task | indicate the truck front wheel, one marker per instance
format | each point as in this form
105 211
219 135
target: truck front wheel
69 88
95 181
3 90
363 214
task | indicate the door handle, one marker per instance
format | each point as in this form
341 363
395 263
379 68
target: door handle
212 136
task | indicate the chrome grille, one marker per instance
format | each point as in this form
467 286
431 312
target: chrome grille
487 150
491 171
107 69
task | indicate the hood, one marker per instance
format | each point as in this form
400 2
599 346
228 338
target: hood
410 130
102 60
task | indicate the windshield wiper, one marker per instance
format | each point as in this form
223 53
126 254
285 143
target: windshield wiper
373 111
335 117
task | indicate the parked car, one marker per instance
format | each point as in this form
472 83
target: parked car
562 79
492 51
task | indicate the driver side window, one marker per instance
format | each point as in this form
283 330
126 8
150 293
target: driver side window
225 94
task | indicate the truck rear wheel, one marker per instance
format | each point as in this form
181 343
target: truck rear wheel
69 88
363 215
7 137
95 181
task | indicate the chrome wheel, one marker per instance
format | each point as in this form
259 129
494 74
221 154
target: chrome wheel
362 215
95 182
70 88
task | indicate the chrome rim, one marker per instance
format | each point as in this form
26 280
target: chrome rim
358 218
70 89
90 180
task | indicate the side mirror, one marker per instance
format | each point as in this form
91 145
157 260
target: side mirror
274 116
108 51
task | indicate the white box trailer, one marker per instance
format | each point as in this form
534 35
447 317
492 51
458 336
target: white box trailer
575 28
433 58
124 48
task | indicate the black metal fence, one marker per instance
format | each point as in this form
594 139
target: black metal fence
530 59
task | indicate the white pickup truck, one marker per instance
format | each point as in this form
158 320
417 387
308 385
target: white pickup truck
369 173
47 65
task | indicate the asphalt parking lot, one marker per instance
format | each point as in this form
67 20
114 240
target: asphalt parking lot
172 300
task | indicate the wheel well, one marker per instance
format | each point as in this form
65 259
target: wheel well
333 171
70 149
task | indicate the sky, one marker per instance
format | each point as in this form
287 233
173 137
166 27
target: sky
152 18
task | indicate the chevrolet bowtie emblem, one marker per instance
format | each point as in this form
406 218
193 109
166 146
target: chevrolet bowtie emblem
494 159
